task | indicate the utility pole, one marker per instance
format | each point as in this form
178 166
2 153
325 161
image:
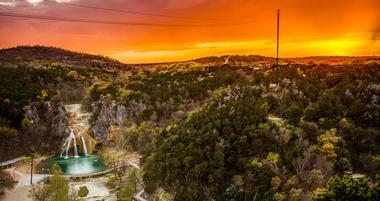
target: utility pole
31 170
278 40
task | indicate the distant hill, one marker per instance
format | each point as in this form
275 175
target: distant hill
235 58
40 55
332 60
243 60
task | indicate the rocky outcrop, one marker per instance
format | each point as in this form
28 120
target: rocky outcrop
110 115
107 114
50 115
60 122
32 114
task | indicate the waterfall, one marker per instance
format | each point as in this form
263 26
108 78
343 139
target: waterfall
68 147
64 145
84 145
75 145
78 120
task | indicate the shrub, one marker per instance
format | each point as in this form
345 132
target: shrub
83 191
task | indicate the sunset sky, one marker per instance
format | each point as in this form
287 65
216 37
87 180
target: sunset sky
197 28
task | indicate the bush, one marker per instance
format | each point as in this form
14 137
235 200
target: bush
73 74
26 123
83 192
6 181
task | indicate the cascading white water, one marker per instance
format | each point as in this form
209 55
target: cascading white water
84 145
75 144
78 120
64 146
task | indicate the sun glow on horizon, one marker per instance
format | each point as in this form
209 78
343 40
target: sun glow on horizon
321 47
344 28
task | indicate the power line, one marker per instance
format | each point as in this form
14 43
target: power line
125 23
128 11
138 12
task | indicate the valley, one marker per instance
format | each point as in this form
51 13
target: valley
207 129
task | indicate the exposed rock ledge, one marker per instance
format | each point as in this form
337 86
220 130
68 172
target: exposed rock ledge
107 115
50 115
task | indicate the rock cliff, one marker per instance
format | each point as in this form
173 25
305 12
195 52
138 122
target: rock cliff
51 116
106 115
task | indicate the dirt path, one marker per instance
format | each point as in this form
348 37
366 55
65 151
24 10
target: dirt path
21 191
17 194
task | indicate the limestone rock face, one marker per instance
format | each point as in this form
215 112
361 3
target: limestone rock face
50 116
60 121
107 115
32 114
110 115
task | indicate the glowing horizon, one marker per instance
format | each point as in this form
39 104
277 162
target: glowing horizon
313 28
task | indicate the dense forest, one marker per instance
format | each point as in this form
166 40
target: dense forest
252 141
244 138
30 78
223 129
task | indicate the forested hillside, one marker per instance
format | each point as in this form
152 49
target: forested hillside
38 56
247 138
253 141
220 128
38 79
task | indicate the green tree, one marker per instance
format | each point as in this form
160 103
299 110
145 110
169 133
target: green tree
344 189
279 196
294 113
131 186
116 159
376 189
59 186
329 143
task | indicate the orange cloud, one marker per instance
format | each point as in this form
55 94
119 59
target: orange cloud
313 27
